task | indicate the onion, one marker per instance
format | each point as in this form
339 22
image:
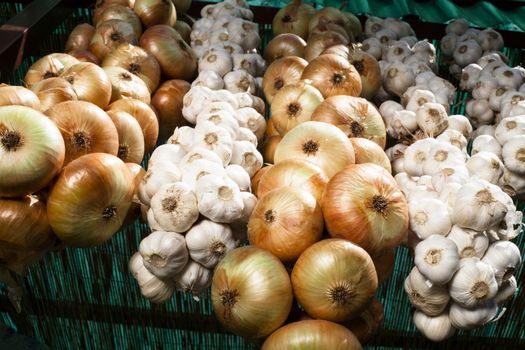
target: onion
126 85
102 5
24 231
312 334
284 45
333 75
355 116
84 56
153 12
85 128
384 264
334 280
50 97
130 137
294 104
177 60
299 174
18 95
318 43
80 37
122 13
109 35
270 145
366 325
320 143
284 71
145 116
285 222
323 26
251 292
90 200
184 30
363 204
367 151
137 61
31 151
293 18
257 178
168 103
330 15
90 83
365 64
48 66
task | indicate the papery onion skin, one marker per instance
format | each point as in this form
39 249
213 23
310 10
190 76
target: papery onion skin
184 30
366 325
364 204
334 280
18 95
131 139
90 200
84 56
296 173
51 97
355 116
269 148
85 129
80 37
251 292
333 75
153 12
49 66
90 83
285 222
146 117
109 35
257 177
312 334
126 85
122 13
293 18
32 151
284 45
168 102
25 234
102 5
281 72
176 59
319 42
367 151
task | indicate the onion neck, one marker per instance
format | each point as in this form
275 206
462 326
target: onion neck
228 300
109 212
11 140
340 295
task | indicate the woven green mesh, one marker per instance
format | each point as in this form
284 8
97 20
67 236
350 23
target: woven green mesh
87 299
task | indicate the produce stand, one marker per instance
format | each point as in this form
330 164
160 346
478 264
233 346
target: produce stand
87 299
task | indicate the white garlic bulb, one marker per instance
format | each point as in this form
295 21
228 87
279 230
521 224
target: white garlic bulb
249 118
166 153
506 291
485 143
240 176
245 134
465 318
430 298
219 198
152 222
504 257
216 60
486 166
215 139
194 279
416 155
437 258
458 174
182 136
200 168
164 253
435 328
208 242
249 200
432 118
245 154
222 119
209 79
513 154
155 178
198 153
470 243
240 81
460 123
152 288
448 195
194 101
429 216
443 155
473 284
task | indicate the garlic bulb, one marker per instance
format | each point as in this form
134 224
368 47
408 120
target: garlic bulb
430 298
429 216
483 87
486 143
404 123
432 118
486 166
510 227
198 153
437 258
166 153
509 127
208 242
194 279
508 77
246 61
505 258
467 52
416 155
418 98
448 44
512 183
218 61
469 76
473 284
239 81
183 136
219 198
223 119
152 288
217 106
215 139
245 134
156 176
513 154
437 328
478 205
209 79
458 174
174 207
253 120
246 155
249 200
484 130
397 51
397 78
506 290
241 177
470 243
199 168
194 101
455 138
465 318
164 254
497 95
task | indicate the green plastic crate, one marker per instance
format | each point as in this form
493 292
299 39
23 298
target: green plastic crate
8 10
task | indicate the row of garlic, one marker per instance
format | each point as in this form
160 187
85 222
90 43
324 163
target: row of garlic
462 223
196 192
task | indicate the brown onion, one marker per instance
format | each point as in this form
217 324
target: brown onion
355 116
84 56
85 128
270 128
334 280
109 35
294 104
48 66
256 179
52 91
318 43
295 173
177 60
130 137
18 95
366 325
384 264
333 75
90 200
101 5
367 151
25 234
145 116
364 205
122 13
284 45
320 143
285 222
269 148
365 64
90 83
330 15
168 104
184 30
281 72
354 24
153 12
312 334
324 26
80 37
126 85
293 18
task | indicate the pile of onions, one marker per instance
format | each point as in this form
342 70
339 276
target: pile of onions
90 83
284 45
52 91
52 65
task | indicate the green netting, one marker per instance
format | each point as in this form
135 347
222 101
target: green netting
8 10
87 299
